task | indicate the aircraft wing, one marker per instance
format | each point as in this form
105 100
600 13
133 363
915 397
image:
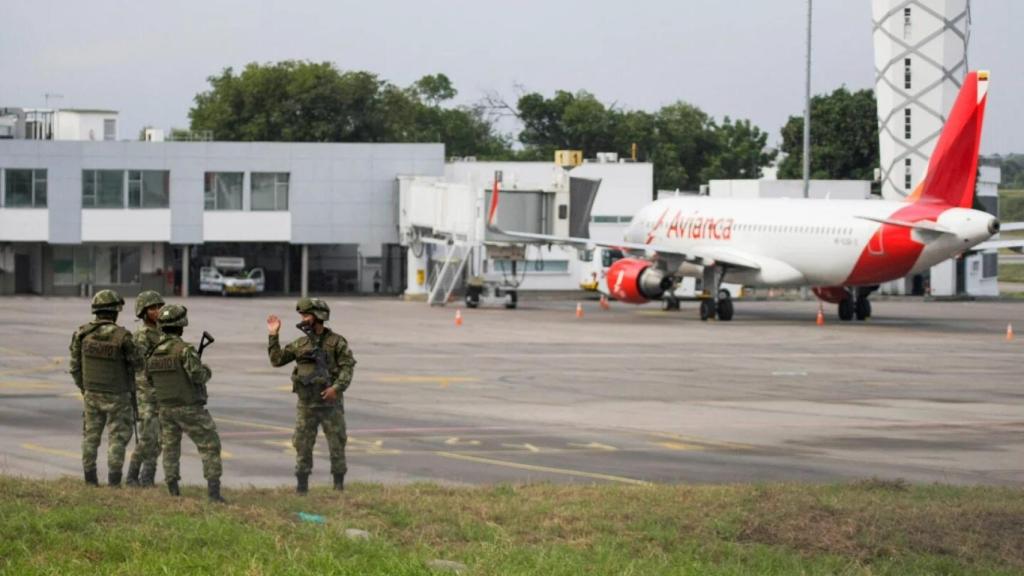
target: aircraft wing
1016 244
1011 226
699 255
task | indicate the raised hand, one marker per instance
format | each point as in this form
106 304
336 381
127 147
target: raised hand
273 325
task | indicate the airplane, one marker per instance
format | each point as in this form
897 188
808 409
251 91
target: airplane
842 249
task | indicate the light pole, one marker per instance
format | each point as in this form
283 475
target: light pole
807 110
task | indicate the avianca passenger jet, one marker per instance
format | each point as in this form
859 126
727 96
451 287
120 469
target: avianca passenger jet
842 248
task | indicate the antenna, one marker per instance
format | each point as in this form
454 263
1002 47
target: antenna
50 95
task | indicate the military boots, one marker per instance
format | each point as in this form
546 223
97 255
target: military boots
172 488
302 483
133 475
339 482
91 479
147 476
213 491
114 479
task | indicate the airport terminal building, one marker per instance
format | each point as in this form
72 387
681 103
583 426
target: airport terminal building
80 216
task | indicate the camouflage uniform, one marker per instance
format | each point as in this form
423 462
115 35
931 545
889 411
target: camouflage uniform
103 365
312 411
179 382
147 444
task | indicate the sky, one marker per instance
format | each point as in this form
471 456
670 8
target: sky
744 58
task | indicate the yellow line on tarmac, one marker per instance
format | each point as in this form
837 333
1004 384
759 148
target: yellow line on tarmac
52 451
535 468
442 381
28 385
48 367
704 442
254 424
680 446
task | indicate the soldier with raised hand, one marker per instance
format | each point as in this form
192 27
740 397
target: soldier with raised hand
103 365
179 382
147 443
323 371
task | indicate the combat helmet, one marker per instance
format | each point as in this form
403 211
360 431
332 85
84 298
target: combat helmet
315 306
146 299
107 301
173 315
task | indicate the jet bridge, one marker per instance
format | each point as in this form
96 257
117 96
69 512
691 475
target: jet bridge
443 226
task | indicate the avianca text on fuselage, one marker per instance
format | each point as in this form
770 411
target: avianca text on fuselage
693 227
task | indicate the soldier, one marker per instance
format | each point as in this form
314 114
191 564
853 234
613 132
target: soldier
103 365
147 443
179 382
323 371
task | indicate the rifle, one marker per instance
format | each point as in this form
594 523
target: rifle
205 341
319 356
135 412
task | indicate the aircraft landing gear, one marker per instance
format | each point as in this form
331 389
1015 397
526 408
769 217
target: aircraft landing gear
720 305
856 304
670 304
862 308
846 309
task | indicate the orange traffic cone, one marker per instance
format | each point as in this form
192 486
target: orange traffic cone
1009 331
579 310
820 320
604 302
458 316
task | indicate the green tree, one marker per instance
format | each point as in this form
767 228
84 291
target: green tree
844 137
685 145
296 101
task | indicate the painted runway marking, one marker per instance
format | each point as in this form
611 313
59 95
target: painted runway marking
456 441
679 446
51 451
547 469
50 366
594 446
528 447
254 424
687 440
28 385
441 381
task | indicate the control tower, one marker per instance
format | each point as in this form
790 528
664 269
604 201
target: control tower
920 62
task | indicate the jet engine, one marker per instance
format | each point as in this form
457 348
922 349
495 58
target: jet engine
636 281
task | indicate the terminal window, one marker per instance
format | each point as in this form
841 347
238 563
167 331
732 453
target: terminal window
223 190
25 189
102 189
269 191
148 188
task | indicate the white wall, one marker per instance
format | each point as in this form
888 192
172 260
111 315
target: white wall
121 225
152 258
247 226
72 125
25 224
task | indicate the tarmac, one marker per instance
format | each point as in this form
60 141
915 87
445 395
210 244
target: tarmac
923 391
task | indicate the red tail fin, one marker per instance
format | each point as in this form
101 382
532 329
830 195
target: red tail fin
954 163
494 199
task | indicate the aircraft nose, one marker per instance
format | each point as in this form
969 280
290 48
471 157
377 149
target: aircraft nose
993 226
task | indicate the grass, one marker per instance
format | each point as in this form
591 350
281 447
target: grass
1011 272
874 527
1011 205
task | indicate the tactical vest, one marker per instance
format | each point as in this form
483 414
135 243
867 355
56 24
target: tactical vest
305 381
170 381
104 366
